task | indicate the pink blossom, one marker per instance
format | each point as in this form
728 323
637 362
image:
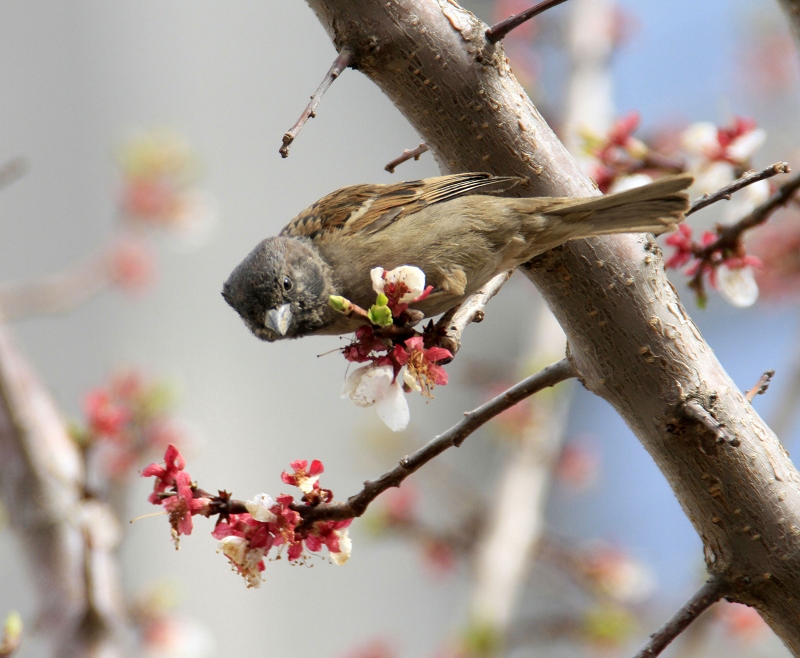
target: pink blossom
182 505
131 265
422 363
106 418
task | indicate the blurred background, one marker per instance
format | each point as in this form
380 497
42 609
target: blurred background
221 82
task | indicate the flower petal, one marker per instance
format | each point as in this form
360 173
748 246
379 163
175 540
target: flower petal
392 408
738 285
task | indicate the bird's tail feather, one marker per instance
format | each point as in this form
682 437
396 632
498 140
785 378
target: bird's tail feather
655 207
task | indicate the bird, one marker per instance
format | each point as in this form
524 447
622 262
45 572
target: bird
451 227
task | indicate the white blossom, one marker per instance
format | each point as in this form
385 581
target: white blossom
238 551
629 182
700 139
711 176
259 508
744 202
372 385
744 146
345 547
412 277
738 285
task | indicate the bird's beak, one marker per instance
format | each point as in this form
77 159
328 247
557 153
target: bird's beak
279 319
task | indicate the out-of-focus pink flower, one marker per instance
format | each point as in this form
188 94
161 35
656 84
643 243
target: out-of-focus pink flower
131 265
616 574
578 466
506 8
684 246
373 649
158 173
106 418
401 505
439 557
741 621
777 244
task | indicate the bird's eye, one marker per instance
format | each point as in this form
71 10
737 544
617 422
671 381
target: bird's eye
287 283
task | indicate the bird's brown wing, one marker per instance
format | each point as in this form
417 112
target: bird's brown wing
370 208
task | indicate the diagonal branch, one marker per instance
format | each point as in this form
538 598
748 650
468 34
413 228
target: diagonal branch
729 236
345 58
743 181
356 505
500 30
704 598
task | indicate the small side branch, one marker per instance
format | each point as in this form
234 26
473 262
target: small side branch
693 409
407 155
345 59
743 181
356 505
501 29
729 236
452 324
761 385
703 599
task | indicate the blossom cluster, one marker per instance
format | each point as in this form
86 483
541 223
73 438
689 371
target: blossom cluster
159 171
728 270
248 532
716 156
125 419
398 366
157 190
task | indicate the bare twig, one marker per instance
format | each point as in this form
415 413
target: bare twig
501 29
694 409
704 598
452 324
346 58
761 385
729 236
356 505
12 171
746 179
407 155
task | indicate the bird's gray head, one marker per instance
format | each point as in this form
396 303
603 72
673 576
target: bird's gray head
281 289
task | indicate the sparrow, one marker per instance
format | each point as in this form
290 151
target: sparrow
449 227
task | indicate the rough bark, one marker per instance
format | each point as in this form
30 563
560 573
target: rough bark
630 338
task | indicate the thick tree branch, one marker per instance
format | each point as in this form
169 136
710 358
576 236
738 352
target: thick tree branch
345 58
629 335
42 480
356 505
704 598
